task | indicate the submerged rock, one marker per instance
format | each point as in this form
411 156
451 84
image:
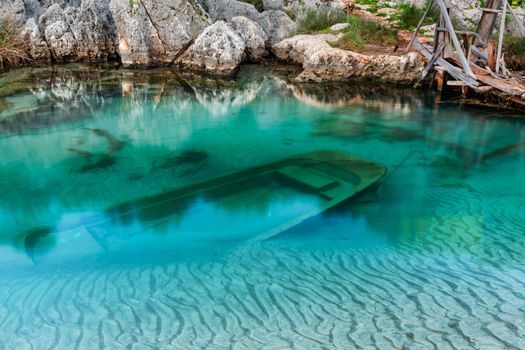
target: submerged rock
322 62
114 144
102 163
218 50
186 157
192 156
254 37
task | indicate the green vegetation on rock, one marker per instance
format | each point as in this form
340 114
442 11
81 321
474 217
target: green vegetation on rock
318 20
407 16
259 5
515 52
360 32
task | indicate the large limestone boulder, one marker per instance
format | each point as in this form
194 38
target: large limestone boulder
277 25
254 37
86 32
154 32
19 10
38 49
218 50
322 62
57 32
94 31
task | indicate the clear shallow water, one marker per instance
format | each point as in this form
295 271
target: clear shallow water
433 257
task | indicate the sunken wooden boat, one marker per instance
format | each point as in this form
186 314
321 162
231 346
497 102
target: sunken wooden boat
262 201
253 204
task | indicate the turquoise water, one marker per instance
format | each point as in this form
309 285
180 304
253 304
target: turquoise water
432 257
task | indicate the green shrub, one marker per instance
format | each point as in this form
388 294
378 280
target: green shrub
315 21
372 5
259 5
362 31
515 52
13 49
408 16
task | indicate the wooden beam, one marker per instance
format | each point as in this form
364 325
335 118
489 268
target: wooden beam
485 89
500 11
419 24
451 69
467 43
518 100
488 21
440 79
459 83
491 55
501 35
456 83
432 61
455 40
480 54
507 86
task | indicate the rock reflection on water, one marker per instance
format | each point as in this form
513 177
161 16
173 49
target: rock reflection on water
373 97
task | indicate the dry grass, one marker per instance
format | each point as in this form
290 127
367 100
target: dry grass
14 50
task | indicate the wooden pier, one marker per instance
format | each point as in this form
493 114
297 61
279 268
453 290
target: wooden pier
476 62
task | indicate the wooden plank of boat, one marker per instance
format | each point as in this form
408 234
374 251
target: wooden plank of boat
367 173
332 175
307 177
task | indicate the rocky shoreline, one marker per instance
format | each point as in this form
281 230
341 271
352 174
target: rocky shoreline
208 36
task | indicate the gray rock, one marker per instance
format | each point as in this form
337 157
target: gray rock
156 31
218 50
86 32
94 31
138 41
513 27
298 7
57 33
339 26
254 37
38 46
227 9
277 25
19 10
321 62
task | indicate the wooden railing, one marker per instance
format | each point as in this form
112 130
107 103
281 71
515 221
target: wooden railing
475 63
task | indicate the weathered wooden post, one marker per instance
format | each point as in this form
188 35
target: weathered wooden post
442 47
488 20
501 35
